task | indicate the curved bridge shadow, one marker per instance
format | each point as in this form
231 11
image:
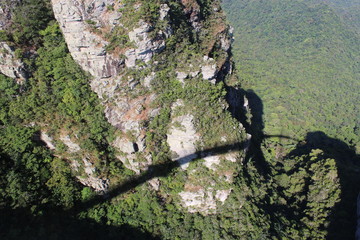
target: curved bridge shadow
155 171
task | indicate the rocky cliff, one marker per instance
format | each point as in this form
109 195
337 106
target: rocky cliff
176 45
159 70
78 19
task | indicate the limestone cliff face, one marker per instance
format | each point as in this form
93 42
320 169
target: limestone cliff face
86 47
145 63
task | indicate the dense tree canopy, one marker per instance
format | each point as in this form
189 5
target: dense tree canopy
303 62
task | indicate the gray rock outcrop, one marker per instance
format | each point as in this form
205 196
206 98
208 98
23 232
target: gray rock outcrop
199 194
70 144
198 201
9 64
145 46
89 177
182 138
98 184
86 47
192 10
209 69
204 201
49 141
89 48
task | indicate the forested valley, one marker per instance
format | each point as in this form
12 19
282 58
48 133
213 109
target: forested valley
300 60
303 62
274 137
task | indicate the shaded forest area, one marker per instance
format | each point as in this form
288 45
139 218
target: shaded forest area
311 192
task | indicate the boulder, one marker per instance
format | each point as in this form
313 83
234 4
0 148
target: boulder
72 146
182 138
47 140
9 64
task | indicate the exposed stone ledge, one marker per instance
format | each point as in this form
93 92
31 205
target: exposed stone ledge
9 64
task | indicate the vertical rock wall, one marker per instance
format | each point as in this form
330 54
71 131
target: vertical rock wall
88 48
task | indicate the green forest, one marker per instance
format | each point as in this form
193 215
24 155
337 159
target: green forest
298 61
302 60
295 62
349 12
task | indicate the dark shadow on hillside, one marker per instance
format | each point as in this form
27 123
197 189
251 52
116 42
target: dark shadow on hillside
255 107
343 217
247 108
58 225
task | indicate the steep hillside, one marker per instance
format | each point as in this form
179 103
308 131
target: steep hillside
303 62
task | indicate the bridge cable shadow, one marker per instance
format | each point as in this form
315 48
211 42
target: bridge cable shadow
155 171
